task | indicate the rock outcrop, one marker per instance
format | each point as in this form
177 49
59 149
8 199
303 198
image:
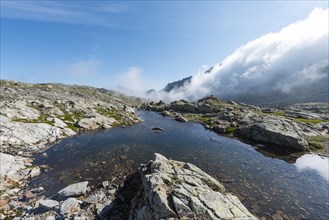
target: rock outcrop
289 128
278 131
170 189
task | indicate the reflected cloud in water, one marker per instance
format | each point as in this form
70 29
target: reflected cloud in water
314 162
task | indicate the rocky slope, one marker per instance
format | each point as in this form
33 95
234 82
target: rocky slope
33 116
291 128
161 189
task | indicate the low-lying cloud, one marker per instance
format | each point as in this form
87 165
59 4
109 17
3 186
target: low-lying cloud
132 82
296 55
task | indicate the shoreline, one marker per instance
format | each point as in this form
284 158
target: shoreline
30 124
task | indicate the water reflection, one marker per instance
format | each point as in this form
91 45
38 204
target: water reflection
314 162
267 186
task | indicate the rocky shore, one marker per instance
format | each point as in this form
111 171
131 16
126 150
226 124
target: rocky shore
302 127
34 116
160 189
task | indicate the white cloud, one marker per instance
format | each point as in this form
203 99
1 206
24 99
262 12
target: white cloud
84 68
133 82
296 55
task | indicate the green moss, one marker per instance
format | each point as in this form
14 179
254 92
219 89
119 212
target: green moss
19 212
277 114
230 130
41 119
312 121
110 113
73 116
208 121
317 143
72 127
68 117
34 107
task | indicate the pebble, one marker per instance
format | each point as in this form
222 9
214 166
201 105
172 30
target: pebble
29 195
105 184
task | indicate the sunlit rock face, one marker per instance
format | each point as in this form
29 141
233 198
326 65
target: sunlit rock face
178 190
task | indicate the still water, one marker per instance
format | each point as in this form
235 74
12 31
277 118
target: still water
265 185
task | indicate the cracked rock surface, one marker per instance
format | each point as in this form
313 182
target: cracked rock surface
169 189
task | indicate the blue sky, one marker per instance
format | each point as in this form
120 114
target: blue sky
135 44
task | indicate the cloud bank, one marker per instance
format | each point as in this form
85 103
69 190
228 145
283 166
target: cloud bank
296 55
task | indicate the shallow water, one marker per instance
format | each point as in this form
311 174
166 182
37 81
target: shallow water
265 185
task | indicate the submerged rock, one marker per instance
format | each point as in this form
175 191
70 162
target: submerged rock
157 129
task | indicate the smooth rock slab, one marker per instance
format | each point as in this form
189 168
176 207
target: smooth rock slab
76 189
10 166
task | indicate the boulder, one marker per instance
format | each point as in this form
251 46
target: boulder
177 190
183 106
48 204
70 206
36 171
166 113
93 123
204 108
76 189
59 123
278 131
220 129
180 118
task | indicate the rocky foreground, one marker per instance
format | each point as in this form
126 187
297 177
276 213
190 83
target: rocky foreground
300 127
161 189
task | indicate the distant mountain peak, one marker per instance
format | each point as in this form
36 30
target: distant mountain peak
177 84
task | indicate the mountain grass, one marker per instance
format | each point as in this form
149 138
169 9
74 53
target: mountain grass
316 143
312 121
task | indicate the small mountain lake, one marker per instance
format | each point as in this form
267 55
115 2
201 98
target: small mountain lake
265 185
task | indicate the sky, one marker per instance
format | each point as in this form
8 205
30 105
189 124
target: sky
138 45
